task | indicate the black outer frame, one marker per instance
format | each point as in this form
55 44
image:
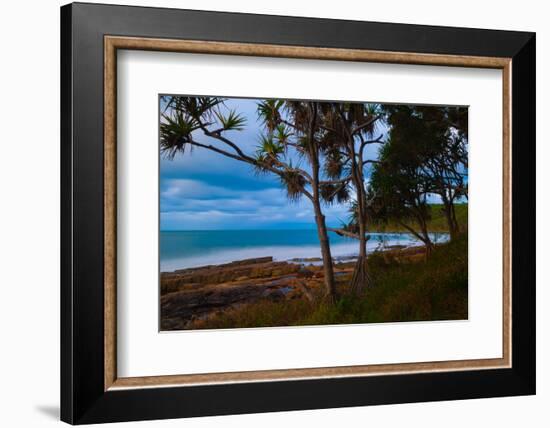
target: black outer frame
83 399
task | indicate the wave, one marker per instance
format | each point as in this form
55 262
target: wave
284 252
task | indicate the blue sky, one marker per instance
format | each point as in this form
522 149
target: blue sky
203 190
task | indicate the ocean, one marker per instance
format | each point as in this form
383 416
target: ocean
185 249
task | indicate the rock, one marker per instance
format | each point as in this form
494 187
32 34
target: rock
226 265
188 295
241 270
305 273
306 260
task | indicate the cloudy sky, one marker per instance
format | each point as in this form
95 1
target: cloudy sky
203 190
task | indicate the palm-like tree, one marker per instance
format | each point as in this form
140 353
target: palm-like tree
301 126
291 127
351 128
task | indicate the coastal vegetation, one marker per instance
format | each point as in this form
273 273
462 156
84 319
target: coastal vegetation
436 224
397 168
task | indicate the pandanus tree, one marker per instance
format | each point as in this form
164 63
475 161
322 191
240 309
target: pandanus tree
294 129
291 129
350 128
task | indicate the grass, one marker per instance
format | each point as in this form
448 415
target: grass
436 289
438 222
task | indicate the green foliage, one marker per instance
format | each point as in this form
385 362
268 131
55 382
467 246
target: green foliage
181 117
434 290
176 133
268 152
232 121
437 222
426 154
398 189
270 146
270 112
197 107
282 134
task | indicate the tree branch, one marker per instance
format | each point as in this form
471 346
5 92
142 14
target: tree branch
343 232
222 152
365 143
369 122
414 232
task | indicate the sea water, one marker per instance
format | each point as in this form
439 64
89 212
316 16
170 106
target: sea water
184 249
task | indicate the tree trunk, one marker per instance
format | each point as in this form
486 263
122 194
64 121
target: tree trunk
330 286
426 237
429 249
450 223
448 210
454 220
361 278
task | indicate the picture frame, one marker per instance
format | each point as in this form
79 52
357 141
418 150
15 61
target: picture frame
91 35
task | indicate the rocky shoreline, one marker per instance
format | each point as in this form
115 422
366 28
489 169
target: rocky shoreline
189 296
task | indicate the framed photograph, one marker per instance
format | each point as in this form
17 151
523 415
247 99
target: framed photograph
267 213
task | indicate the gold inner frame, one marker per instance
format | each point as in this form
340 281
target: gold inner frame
113 43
